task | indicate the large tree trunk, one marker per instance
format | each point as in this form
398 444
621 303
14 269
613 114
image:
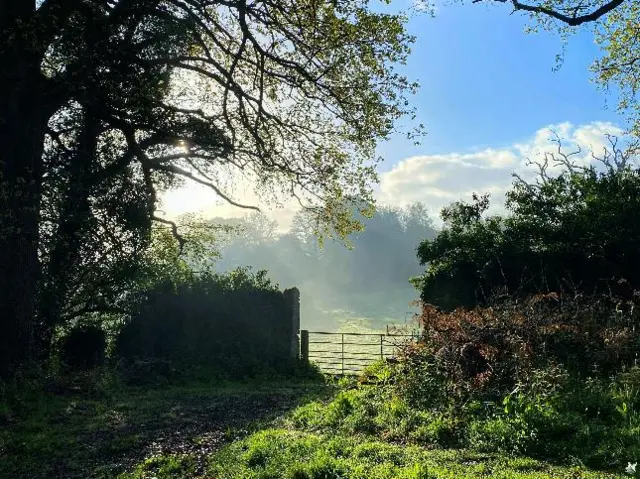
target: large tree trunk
73 224
22 126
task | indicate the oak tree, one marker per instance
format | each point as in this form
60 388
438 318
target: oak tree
111 100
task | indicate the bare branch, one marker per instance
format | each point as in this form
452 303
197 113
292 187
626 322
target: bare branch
571 20
614 157
187 174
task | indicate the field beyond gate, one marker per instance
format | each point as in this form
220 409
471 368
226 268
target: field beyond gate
348 353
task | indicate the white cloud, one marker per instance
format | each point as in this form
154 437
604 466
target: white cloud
436 180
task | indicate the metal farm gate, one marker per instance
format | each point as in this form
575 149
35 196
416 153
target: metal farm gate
348 353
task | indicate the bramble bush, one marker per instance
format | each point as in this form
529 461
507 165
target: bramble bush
500 345
557 378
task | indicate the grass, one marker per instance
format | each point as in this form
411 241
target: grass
290 454
100 432
261 429
363 433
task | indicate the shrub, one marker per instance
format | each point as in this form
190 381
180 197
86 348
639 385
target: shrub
532 420
84 347
577 231
439 430
237 324
589 336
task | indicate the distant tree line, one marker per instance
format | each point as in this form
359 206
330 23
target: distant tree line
367 276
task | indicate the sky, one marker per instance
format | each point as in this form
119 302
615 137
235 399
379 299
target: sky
488 98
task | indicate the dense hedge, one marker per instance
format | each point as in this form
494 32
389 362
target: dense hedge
577 232
237 323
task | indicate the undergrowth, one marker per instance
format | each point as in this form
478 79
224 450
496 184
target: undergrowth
390 425
595 422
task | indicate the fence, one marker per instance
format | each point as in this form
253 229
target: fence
348 353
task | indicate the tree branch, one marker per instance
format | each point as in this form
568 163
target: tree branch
104 309
187 174
572 21
174 231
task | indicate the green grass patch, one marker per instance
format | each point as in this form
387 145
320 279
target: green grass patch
172 466
287 454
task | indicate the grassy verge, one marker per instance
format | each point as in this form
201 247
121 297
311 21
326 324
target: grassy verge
365 433
281 429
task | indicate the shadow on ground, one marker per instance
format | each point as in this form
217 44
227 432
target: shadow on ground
74 436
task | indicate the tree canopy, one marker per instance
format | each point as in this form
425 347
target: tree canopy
104 103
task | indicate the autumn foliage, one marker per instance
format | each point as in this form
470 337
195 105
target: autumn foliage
500 345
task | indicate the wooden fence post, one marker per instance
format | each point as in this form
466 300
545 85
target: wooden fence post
381 347
292 300
343 354
304 345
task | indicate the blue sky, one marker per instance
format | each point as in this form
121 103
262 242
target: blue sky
488 96
484 82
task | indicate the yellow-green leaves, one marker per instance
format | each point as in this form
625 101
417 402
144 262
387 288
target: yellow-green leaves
619 66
